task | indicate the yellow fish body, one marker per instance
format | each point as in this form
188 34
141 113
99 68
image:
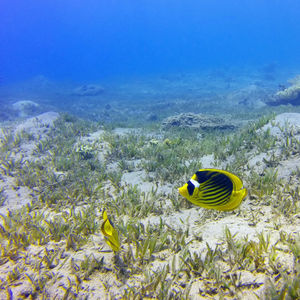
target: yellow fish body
214 189
110 233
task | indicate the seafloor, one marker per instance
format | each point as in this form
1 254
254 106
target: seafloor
59 171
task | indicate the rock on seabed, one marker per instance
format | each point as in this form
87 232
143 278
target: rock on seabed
196 121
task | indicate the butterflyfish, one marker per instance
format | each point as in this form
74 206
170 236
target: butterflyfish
110 233
214 189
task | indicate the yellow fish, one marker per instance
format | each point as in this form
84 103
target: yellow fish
110 233
216 189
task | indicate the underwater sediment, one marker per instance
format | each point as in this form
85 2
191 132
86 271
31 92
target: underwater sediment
58 175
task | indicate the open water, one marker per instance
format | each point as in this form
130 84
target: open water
138 50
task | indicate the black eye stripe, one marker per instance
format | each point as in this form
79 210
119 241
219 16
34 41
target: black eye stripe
190 188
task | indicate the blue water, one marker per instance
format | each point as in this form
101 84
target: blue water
102 39
187 55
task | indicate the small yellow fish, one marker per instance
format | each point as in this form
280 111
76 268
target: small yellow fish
110 233
215 189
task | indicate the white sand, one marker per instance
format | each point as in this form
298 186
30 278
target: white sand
201 223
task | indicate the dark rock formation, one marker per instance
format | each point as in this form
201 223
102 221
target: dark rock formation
290 95
196 121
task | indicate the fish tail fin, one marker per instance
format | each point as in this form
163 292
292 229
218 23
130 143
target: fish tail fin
235 200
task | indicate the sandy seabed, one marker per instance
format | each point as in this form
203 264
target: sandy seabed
250 253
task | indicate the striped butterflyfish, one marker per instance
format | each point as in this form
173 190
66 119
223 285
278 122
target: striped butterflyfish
215 189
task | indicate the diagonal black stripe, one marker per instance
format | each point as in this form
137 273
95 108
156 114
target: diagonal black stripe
222 198
225 186
221 179
202 176
209 198
214 193
221 201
